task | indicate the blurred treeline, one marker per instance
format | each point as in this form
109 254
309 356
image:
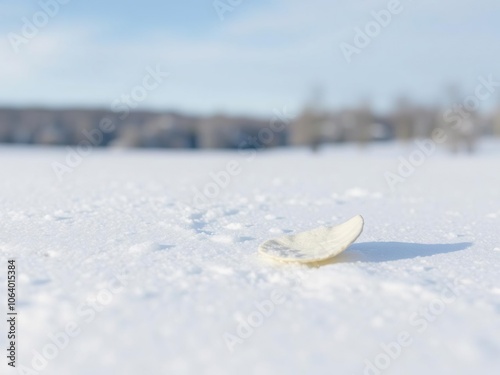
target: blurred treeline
312 127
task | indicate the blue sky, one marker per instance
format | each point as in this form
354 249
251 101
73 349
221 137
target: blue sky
264 55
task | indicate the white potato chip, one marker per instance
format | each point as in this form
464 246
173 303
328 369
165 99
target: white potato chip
314 245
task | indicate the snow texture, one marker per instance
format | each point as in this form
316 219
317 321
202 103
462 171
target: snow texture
131 271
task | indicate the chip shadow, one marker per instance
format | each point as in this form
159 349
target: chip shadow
376 252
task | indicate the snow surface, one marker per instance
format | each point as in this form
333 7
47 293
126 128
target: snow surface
424 272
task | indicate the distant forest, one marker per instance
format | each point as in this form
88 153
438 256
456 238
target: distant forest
104 128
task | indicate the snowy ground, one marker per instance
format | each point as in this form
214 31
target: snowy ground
127 275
